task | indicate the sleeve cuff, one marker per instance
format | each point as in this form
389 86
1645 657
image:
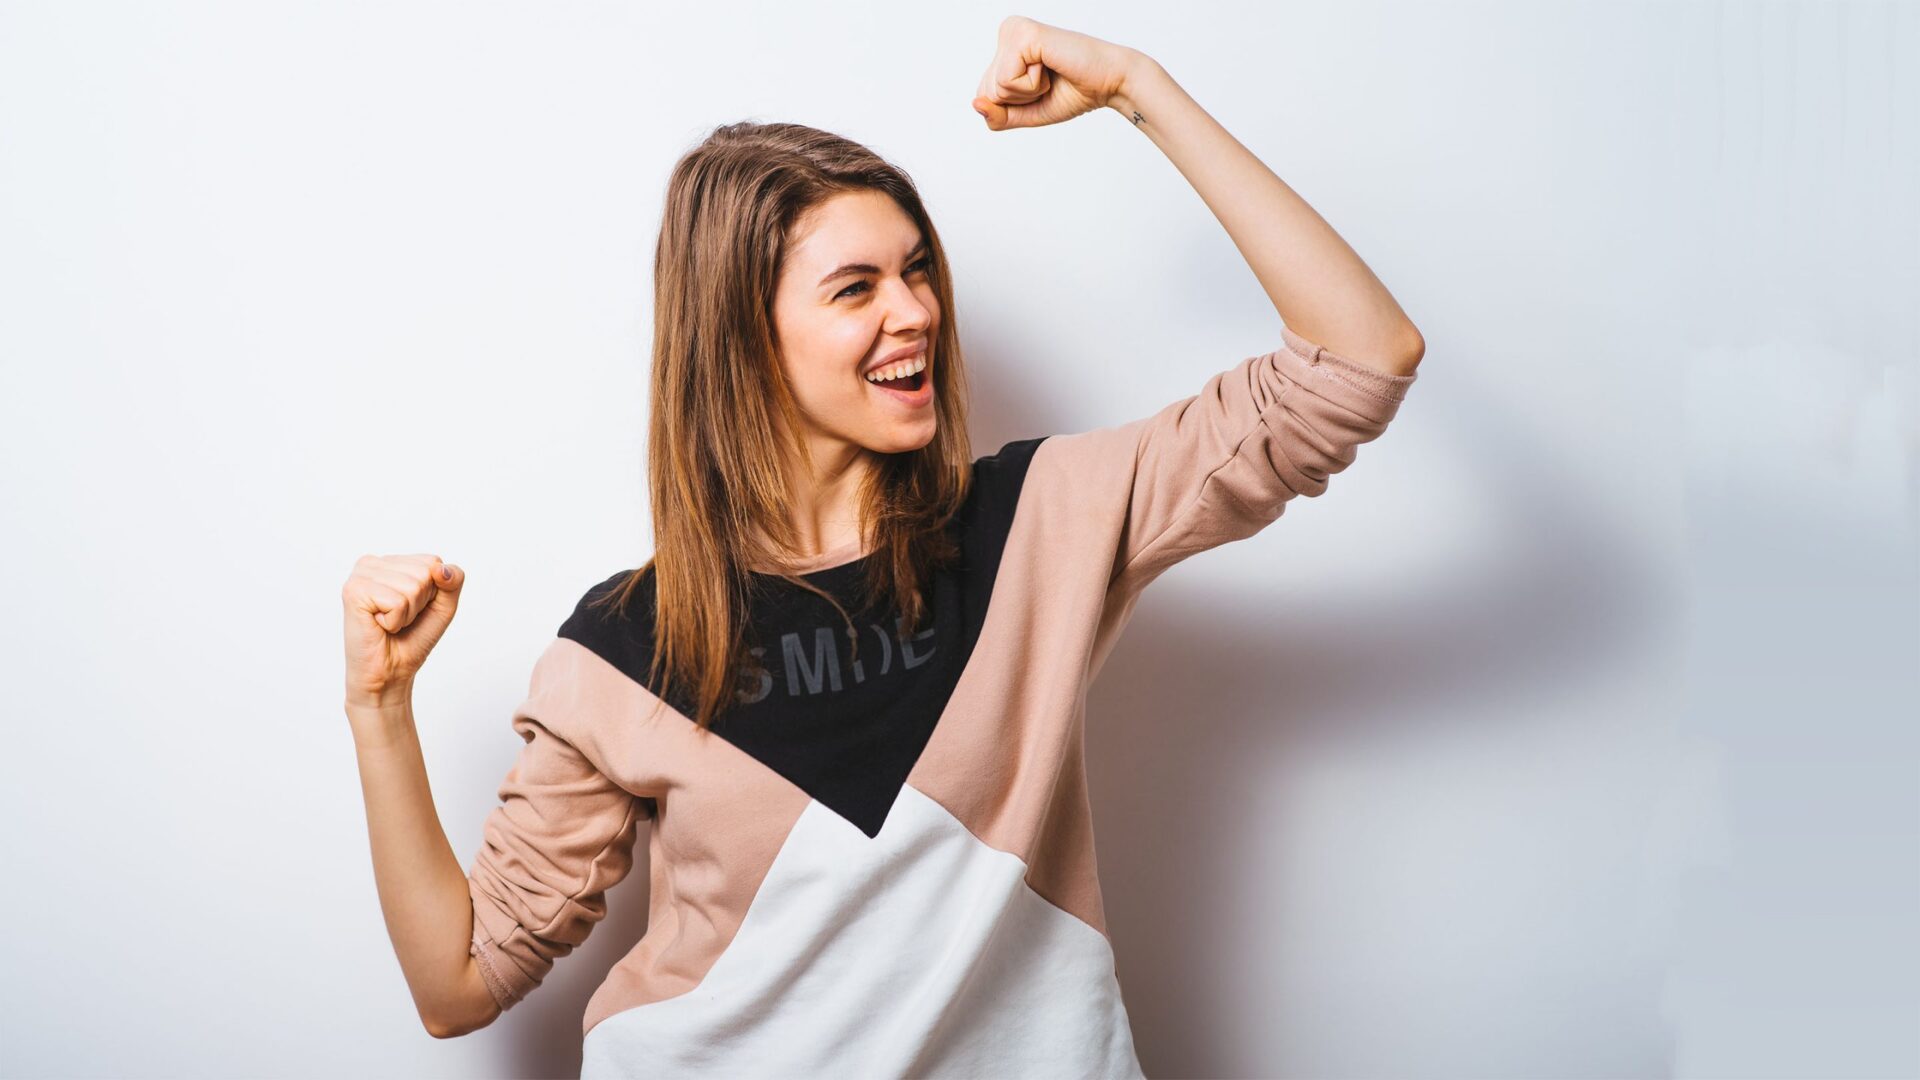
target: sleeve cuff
1378 385
505 979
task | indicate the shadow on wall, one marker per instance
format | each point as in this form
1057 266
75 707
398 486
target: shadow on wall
1209 687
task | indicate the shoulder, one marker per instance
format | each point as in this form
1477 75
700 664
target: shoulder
999 476
619 628
993 495
1009 461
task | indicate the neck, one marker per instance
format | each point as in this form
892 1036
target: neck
824 508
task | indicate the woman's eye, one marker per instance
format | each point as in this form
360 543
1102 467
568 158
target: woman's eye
925 263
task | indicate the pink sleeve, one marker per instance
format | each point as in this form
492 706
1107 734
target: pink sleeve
562 835
1222 464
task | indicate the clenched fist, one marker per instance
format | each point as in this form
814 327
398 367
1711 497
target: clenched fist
1043 74
397 606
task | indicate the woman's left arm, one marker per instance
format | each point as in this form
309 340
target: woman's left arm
1045 74
1321 288
1219 465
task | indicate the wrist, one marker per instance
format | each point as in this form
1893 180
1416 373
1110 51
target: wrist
377 719
1140 72
393 695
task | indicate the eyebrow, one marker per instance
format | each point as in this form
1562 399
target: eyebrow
869 268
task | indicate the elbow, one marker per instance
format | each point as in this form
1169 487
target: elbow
481 1011
443 1028
1412 348
447 1027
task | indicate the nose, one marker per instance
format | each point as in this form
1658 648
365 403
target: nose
906 312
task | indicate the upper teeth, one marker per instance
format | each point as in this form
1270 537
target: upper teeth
897 371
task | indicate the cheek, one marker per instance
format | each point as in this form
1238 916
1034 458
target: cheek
824 365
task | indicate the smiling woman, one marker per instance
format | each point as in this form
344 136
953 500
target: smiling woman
794 267
847 689
873 320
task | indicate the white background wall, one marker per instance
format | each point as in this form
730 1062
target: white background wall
1570 735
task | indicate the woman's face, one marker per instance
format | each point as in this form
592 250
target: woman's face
855 289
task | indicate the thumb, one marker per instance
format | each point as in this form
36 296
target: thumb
997 116
447 579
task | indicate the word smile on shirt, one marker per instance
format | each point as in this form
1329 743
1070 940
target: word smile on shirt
811 662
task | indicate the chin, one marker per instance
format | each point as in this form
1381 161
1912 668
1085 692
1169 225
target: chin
902 442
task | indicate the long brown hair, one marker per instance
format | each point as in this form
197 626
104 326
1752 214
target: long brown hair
717 467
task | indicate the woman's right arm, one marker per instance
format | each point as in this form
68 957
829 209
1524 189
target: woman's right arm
422 885
396 609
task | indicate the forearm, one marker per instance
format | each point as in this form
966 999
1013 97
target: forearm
423 888
1319 285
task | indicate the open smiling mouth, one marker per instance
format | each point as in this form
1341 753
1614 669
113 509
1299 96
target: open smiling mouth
908 385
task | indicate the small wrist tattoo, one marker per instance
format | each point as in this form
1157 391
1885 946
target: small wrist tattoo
1136 118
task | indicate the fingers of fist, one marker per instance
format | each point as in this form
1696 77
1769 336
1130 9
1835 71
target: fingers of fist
1043 74
394 589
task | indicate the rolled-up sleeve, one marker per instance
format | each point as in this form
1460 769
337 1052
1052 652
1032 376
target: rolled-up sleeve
562 834
1222 464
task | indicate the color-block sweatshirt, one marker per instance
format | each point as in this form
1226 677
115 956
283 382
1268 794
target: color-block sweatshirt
881 861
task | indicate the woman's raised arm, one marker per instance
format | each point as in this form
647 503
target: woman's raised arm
396 608
1222 464
1323 291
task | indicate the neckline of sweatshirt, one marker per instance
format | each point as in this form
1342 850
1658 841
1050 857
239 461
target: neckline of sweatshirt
839 557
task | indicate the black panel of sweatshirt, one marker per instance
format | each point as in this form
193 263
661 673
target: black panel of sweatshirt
843 717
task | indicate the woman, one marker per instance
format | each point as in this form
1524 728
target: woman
846 692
